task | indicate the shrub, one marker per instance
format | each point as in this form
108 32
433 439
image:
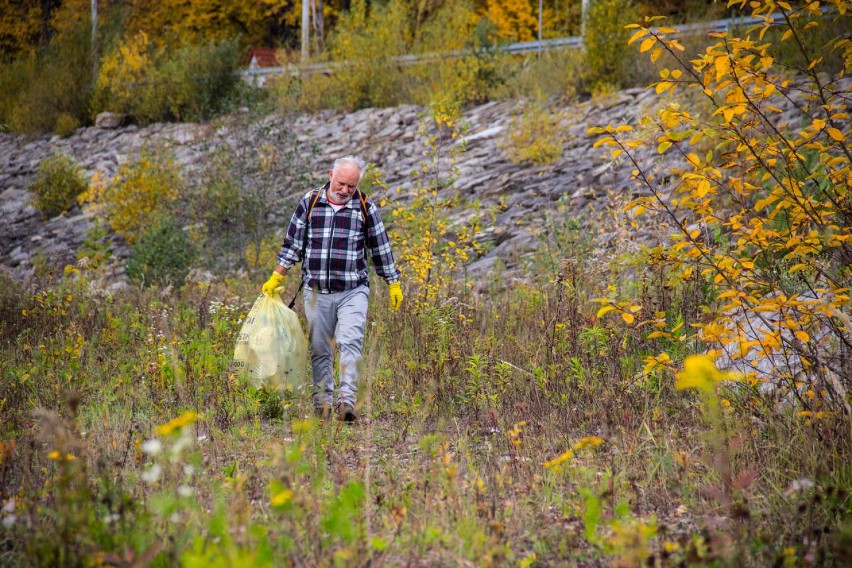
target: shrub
195 83
760 218
66 124
141 193
57 184
54 81
162 255
554 73
14 78
605 41
533 137
122 74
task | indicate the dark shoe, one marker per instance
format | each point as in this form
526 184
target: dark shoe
345 412
323 412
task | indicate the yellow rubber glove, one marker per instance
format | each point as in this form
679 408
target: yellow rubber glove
274 284
395 295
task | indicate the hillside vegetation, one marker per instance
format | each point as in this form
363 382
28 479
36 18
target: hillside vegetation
686 404
177 61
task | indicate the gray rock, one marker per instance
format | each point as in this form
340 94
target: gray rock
109 120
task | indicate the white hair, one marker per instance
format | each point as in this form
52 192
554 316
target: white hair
352 161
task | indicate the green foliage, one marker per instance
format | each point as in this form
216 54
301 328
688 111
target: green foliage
161 256
364 51
477 445
557 73
189 84
57 184
605 39
368 41
430 253
39 89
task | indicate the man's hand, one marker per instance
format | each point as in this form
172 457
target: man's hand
395 295
274 284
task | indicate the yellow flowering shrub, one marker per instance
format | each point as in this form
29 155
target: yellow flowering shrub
141 192
430 251
533 137
121 74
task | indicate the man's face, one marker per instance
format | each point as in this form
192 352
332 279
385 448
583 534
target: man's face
343 183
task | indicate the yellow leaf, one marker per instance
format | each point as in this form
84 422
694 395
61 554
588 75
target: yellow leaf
627 317
835 134
699 372
636 36
604 310
803 336
646 44
656 54
281 498
722 65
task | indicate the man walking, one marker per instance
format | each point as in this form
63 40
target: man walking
331 231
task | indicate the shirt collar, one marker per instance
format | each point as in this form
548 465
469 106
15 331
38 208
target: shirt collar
324 196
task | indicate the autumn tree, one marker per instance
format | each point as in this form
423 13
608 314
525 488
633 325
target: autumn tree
178 22
515 20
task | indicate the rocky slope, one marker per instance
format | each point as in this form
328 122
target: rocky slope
389 138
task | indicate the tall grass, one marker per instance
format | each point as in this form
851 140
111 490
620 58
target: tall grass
502 424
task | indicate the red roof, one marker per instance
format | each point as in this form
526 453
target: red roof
262 57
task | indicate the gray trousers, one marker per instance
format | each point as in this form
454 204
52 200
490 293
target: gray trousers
337 318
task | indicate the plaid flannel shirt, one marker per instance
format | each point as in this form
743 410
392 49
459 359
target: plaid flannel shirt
334 258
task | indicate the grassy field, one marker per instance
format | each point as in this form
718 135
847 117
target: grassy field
503 425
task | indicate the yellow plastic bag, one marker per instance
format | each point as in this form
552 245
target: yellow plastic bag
271 348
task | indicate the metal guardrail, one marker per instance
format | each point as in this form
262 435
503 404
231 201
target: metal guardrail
259 75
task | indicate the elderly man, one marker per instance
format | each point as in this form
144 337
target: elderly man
331 231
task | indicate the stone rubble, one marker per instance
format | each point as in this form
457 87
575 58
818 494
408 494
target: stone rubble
522 194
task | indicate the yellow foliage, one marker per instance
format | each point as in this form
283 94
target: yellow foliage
533 137
700 372
763 217
122 72
178 23
20 25
140 193
515 20
429 253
